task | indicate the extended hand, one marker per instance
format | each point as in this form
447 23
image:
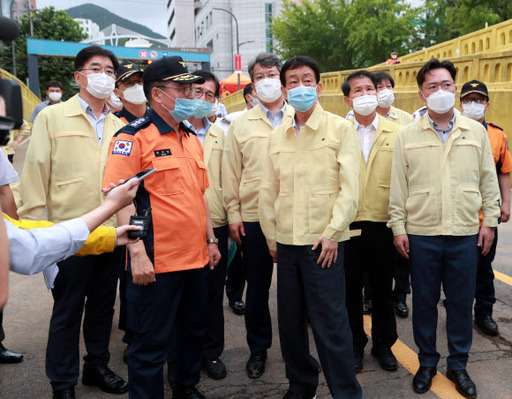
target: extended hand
213 251
329 252
121 195
122 235
401 243
236 231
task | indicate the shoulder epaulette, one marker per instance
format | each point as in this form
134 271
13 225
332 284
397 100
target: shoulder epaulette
492 124
186 129
135 126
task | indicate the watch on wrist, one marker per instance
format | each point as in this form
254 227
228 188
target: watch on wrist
212 241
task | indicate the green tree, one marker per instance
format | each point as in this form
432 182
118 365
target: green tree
342 34
378 26
49 24
449 19
315 28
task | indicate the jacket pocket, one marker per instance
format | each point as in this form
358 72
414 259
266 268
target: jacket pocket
468 203
202 175
168 178
61 181
422 207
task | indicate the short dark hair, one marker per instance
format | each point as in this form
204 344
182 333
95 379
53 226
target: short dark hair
210 76
380 76
356 75
432 64
267 60
148 87
247 90
298 62
87 53
53 83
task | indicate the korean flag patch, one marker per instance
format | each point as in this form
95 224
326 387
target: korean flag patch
122 147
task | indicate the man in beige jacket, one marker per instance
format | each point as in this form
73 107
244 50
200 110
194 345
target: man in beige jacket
242 161
308 198
442 174
63 172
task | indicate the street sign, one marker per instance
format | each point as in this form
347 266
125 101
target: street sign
153 54
143 54
238 63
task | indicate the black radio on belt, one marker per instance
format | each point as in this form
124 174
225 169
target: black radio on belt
142 221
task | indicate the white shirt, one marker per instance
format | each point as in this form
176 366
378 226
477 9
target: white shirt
36 250
7 173
275 120
366 136
97 123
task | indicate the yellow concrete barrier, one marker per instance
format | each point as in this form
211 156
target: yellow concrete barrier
30 100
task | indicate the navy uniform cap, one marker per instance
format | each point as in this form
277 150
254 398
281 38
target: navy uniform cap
170 69
474 86
127 69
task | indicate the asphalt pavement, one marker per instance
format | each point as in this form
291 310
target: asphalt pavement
27 315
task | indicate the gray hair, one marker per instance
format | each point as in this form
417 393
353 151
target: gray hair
267 60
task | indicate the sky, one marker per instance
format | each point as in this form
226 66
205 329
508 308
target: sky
150 13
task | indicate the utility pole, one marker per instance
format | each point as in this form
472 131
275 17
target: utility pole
237 37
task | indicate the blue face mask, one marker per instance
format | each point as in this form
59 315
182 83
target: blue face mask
183 108
202 108
302 98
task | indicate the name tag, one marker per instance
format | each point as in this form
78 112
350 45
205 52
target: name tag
162 153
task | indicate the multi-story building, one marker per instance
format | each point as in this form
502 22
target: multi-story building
215 29
19 7
91 29
180 22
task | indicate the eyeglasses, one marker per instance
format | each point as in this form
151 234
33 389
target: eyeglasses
208 95
131 83
185 90
108 71
435 86
478 100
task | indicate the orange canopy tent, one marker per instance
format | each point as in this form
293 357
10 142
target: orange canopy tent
230 84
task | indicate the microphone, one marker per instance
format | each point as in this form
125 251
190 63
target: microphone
9 29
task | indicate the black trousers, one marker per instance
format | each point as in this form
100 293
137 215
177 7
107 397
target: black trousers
235 282
258 267
373 251
2 332
167 315
484 296
305 287
84 283
214 339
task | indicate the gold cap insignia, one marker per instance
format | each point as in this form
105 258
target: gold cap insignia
474 84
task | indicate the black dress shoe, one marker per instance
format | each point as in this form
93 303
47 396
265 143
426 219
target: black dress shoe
422 381
104 378
385 357
367 306
68 393
238 307
186 393
487 325
6 356
401 310
215 368
292 395
463 383
255 366
358 359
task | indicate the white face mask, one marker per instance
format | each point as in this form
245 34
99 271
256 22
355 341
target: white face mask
135 94
473 110
441 102
365 105
269 90
54 96
99 85
114 102
214 110
385 98
253 101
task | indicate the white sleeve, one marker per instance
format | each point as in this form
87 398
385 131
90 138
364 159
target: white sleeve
31 251
7 173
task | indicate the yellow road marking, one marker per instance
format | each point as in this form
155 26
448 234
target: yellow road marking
503 277
441 385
